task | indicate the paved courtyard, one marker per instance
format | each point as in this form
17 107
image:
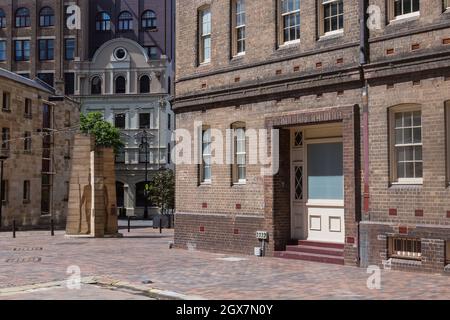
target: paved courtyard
142 259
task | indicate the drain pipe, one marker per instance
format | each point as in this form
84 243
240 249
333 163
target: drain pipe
363 59
363 55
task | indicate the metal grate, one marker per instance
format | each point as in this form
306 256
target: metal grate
405 248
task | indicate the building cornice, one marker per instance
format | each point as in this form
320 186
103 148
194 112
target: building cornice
279 88
267 62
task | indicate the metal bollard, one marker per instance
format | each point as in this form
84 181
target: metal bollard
14 228
129 219
160 225
52 226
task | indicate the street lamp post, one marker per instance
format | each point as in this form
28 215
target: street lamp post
144 144
162 105
2 159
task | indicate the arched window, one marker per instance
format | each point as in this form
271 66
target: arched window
46 17
96 85
149 20
120 84
125 21
2 19
144 84
103 22
22 18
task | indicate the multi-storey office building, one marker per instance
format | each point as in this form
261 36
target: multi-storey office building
362 132
36 141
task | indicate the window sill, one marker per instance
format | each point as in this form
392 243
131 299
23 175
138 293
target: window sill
405 18
408 183
151 29
240 183
205 183
332 35
238 56
412 262
289 44
26 201
204 64
6 110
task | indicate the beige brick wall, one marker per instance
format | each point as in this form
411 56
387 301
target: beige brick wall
22 166
433 196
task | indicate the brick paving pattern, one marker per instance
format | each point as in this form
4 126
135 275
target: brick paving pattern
144 255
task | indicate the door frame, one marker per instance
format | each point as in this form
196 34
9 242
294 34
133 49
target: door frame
324 203
292 166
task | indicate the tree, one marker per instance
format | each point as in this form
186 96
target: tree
161 190
106 135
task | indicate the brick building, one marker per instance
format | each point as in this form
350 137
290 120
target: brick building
354 107
36 140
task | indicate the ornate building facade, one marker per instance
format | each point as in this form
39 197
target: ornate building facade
130 90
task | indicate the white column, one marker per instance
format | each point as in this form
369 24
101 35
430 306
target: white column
128 82
129 196
111 82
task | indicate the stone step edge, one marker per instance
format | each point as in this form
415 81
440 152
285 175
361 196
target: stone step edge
145 290
104 282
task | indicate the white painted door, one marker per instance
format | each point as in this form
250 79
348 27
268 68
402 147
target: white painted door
297 185
325 188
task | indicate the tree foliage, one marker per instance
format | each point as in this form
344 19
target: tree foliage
106 135
161 190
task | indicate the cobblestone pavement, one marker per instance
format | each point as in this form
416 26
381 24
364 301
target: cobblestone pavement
143 258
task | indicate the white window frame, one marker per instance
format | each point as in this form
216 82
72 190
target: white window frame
206 145
205 35
340 30
237 27
283 27
240 139
395 180
402 16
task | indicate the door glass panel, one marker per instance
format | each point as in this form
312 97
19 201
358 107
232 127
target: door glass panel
325 171
298 183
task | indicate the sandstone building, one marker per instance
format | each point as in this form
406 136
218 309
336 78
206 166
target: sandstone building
363 120
36 140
